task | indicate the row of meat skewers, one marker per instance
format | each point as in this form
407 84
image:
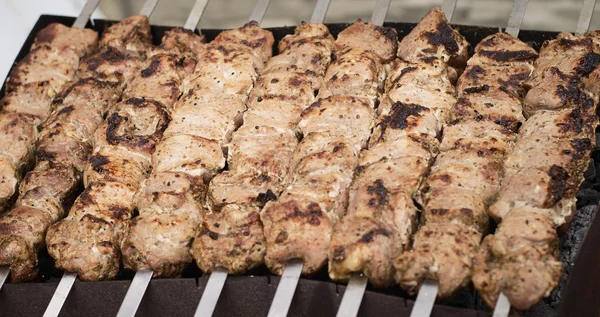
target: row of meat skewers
332 148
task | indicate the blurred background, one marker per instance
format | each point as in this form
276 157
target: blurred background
17 17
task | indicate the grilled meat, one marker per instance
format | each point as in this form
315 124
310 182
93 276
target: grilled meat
542 175
381 216
31 87
465 177
191 151
335 128
112 154
259 152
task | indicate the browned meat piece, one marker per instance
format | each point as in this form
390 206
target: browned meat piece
159 237
131 34
249 38
45 64
56 35
342 116
520 260
483 134
181 42
362 244
231 238
366 36
355 73
111 64
502 49
433 37
441 251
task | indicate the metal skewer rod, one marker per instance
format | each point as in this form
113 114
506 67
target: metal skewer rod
80 22
291 274
216 281
448 7
585 17
259 10
516 17
68 279
85 14
429 288
141 280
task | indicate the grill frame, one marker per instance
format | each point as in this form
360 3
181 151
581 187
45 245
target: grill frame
252 295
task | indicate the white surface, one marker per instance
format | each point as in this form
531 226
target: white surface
17 17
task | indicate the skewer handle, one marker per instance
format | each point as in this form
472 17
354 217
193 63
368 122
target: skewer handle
320 11
195 15
259 10
4 271
286 289
448 7
502 308
425 299
212 292
135 293
381 9
516 17
353 296
585 17
60 295
148 7
86 13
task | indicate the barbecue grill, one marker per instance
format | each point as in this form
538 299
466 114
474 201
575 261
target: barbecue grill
260 292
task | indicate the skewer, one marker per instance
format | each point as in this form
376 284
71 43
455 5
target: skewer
142 278
357 285
516 17
292 271
80 23
429 289
68 279
585 17
448 7
216 281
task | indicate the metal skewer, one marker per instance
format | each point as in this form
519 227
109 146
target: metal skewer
585 17
68 279
141 280
293 269
429 289
448 7
259 10
80 23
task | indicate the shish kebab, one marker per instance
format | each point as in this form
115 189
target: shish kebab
170 200
466 174
542 175
381 218
31 86
502 306
297 226
121 140
230 238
